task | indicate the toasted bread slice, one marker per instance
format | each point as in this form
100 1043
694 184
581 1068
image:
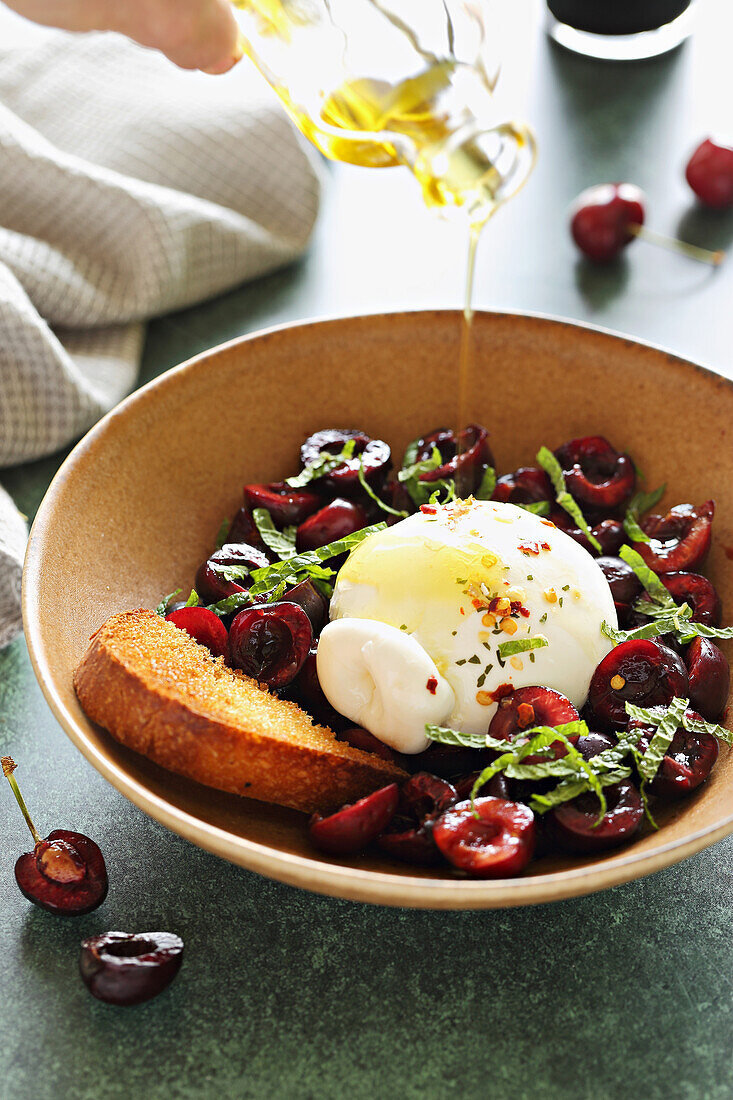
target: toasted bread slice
162 694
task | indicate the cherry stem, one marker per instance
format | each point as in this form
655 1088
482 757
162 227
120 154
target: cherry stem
9 766
705 255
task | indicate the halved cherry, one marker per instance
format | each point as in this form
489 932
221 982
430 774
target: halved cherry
465 455
409 842
270 642
447 761
498 843
596 474
371 455
313 602
624 584
203 625
680 540
212 586
698 592
244 529
686 764
423 795
609 533
709 674
362 739
532 706
334 521
575 824
353 827
287 506
640 671
527 485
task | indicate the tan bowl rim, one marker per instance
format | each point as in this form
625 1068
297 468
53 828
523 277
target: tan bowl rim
314 874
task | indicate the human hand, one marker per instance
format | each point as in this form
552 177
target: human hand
195 34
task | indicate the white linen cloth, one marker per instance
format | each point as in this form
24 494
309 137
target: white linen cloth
128 188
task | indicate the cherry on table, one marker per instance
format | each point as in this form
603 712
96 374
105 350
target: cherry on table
122 968
709 173
65 873
605 218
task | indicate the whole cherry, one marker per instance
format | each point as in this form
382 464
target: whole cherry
65 873
605 218
709 173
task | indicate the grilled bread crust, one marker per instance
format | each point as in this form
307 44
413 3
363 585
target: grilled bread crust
159 692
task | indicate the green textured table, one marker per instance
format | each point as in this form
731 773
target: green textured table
623 994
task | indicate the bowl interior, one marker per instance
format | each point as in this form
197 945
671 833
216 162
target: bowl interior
140 501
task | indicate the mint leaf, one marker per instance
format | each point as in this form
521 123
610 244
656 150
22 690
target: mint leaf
193 599
648 577
444 736
537 507
308 565
640 503
662 739
236 602
423 492
699 725
281 543
162 608
488 484
521 645
324 464
552 468
572 788
377 499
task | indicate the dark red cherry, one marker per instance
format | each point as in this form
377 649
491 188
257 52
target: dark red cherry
680 540
532 706
122 968
306 689
409 842
593 743
609 533
686 764
709 674
353 827
465 455
313 602
334 521
698 592
362 739
203 625
602 219
575 824
527 485
641 671
270 642
371 455
447 761
491 838
624 584
212 586
65 873
244 529
596 474
287 507
709 173
424 795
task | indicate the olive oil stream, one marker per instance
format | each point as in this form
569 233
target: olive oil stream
422 122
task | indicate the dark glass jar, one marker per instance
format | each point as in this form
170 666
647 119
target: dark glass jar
619 29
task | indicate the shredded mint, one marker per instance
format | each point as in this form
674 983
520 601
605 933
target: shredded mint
488 484
324 464
654 716
640 503
552 468
162 608
648 577
446 736
281 543
377 499
662 739
572 788
193 599
308 565
521 645
537 507
424 492
699 725
236 602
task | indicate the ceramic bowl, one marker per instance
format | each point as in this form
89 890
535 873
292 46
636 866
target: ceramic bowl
138 503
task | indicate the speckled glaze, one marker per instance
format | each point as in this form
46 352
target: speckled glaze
139 501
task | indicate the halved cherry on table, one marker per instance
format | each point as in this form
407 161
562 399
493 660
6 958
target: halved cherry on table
121 968
596 474
680 540
532 706
490 838
640 671
204 626
65 873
